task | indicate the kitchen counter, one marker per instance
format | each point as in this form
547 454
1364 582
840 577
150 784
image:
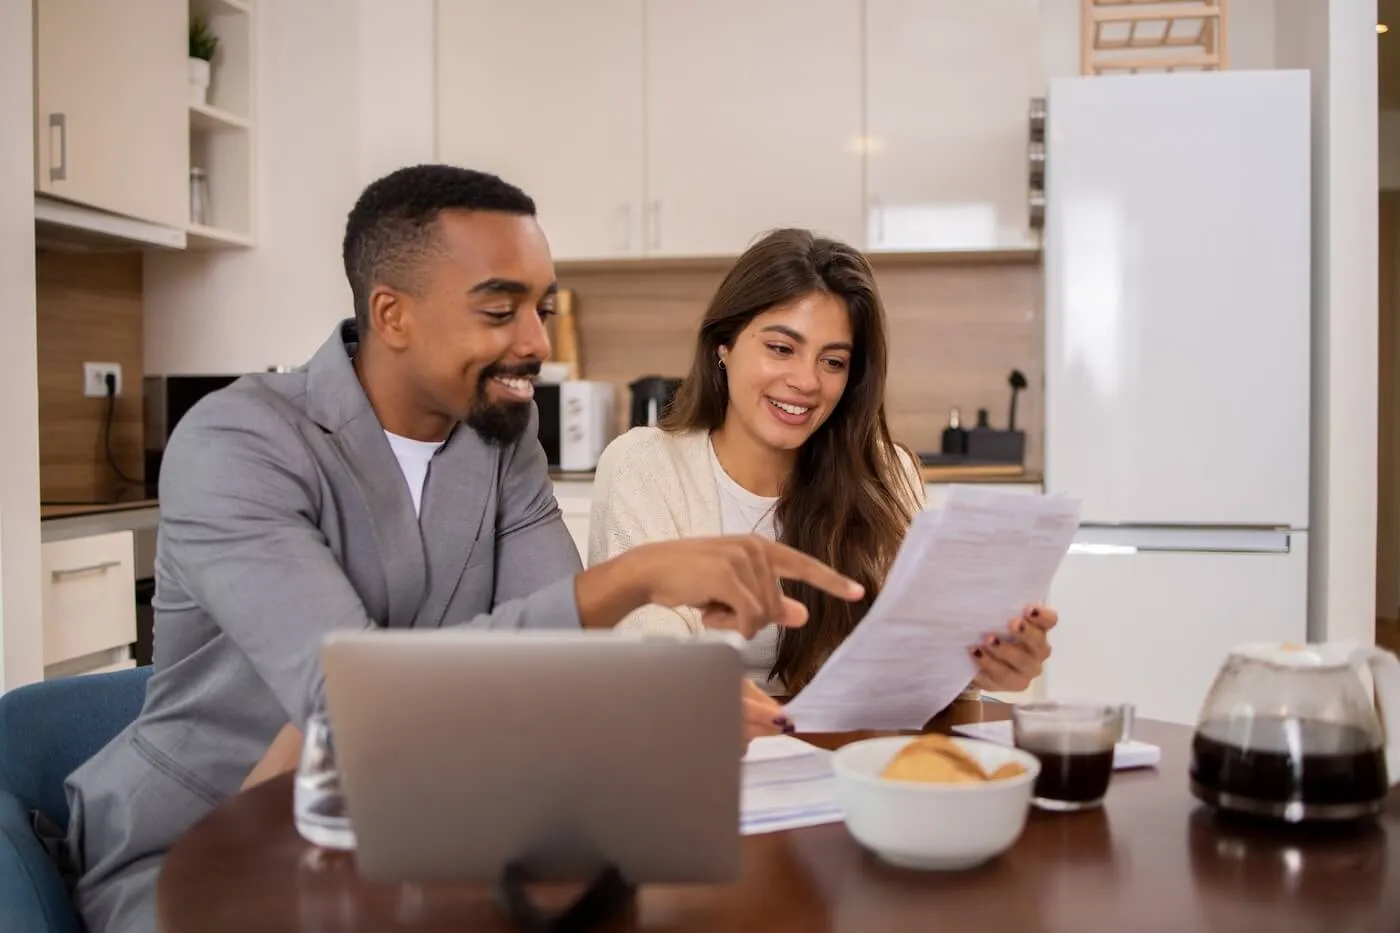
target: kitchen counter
47 512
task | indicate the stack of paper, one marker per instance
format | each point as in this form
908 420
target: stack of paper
1131 754
962 573
786 784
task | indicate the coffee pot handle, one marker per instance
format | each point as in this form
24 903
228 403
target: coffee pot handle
1385 672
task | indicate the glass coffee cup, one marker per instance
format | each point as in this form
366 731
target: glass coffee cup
1074 742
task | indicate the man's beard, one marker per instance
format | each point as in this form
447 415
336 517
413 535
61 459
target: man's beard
500 423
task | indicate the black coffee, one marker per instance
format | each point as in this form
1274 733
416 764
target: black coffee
1338 764
1074 777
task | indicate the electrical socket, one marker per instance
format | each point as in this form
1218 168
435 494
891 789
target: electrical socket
95 378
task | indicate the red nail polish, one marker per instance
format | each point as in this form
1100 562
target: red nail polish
977 652
1035 613
995 641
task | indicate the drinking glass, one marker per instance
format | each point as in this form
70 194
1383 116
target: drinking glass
1074 742
318 803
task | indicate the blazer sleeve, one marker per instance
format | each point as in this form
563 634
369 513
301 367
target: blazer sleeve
534 549
630 507
239 505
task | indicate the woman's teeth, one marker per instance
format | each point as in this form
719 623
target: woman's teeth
790 409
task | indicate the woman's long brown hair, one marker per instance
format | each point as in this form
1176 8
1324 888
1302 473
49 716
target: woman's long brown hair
849 500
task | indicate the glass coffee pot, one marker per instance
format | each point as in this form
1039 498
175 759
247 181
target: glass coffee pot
1289 732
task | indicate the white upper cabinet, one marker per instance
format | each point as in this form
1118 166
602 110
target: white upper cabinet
549 96
948 88
753 121
111 105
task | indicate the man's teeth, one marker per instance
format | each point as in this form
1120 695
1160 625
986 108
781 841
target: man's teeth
513 382
790 409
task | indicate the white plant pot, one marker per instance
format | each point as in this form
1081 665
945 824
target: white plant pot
199 81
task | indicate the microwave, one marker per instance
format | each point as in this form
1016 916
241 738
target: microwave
577 420
164 401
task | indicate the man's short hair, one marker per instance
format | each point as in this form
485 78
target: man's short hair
392 227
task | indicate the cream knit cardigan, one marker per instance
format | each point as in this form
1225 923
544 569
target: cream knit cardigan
655 485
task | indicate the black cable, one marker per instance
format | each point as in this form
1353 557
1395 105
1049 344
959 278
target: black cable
107 433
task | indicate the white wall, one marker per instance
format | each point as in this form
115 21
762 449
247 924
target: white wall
1336 40
21 634
344 93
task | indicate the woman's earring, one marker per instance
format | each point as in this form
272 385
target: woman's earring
721 362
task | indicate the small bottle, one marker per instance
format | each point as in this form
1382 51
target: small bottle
954 437
199 198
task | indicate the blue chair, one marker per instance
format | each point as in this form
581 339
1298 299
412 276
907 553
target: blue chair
46 731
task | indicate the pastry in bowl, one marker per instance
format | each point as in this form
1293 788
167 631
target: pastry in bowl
934 802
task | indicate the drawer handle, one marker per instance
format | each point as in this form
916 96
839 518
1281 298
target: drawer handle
103 567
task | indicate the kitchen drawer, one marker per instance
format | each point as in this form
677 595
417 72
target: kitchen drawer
89 595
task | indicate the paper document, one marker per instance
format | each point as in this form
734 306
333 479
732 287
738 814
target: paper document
786 784
1130 754
962 573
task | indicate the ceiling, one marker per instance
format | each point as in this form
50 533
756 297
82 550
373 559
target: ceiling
1388 65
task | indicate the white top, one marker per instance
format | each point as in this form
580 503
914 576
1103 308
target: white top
742 512
414 457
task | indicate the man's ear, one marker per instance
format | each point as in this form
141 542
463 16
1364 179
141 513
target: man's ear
387 307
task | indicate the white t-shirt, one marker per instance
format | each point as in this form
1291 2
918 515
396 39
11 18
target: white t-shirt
414 457
742 512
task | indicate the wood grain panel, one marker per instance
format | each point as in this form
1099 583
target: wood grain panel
89 309
1388 401
956 332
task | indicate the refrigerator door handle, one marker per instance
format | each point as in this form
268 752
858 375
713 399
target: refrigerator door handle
1110 541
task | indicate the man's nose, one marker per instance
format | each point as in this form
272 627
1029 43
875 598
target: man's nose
531 338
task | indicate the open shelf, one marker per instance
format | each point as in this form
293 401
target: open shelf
199 237
207 119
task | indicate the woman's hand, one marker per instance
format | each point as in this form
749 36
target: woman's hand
281 757
1011 662
762 714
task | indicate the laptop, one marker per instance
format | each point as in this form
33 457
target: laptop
564 754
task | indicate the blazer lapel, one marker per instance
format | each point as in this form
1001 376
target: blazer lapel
337 402
460 482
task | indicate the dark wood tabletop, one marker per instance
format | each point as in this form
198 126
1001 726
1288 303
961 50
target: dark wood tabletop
1150 860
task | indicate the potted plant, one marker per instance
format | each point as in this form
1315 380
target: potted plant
203 45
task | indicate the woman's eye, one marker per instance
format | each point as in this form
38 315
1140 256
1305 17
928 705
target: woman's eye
836 365
780 349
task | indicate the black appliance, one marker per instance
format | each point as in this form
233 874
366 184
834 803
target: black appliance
651 396
165 400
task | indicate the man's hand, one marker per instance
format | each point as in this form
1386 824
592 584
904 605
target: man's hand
733 580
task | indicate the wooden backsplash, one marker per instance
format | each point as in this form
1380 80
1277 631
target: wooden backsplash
956 331
89 310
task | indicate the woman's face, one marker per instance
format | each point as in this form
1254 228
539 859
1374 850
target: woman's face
787 369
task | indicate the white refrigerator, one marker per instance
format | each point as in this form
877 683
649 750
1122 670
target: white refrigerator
1177 319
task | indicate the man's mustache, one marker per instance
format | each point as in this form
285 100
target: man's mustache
528 370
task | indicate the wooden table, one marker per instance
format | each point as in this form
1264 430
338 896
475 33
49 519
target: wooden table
1151 860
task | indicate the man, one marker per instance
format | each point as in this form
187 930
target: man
395 481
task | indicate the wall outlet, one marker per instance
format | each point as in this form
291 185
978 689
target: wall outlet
95 378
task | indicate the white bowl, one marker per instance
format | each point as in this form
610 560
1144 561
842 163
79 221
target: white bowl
942 827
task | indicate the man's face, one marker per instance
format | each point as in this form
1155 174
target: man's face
474 335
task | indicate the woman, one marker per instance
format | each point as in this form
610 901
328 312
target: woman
780 430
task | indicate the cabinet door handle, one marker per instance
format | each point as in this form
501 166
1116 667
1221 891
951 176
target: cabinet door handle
102 567
59 122
655 223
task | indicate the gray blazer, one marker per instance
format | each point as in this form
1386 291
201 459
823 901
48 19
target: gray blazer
284 516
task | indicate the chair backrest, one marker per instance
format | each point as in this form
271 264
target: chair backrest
48 729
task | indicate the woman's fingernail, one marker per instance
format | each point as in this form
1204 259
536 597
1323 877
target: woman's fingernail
782 722
1035 613
1018 626
993 641
789 729
977 652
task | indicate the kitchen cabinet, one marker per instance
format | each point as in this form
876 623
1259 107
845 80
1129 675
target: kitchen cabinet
753 121
88 603
550 96
111 105
948 88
